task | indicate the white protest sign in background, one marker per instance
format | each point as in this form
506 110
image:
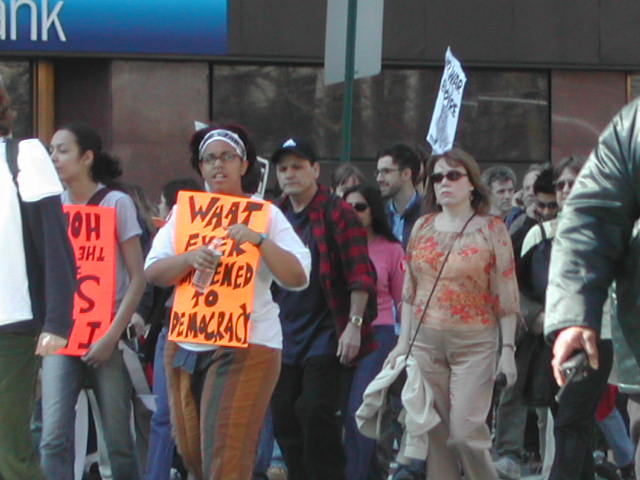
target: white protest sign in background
444 121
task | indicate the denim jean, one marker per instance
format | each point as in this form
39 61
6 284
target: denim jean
161 443
360 449
62 378
615 431
265 449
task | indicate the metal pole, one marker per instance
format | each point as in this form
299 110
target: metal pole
347 112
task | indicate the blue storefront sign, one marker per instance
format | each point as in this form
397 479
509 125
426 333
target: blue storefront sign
144 27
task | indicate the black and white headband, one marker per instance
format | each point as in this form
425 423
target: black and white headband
226 136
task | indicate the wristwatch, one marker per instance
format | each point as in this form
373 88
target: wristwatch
263 237
356 320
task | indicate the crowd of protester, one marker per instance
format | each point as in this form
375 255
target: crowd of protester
408 325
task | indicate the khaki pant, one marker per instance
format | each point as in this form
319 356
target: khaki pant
460 368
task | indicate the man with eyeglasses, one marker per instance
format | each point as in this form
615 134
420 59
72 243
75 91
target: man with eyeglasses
511 414
397 172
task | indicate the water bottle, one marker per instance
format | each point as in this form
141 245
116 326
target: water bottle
202 278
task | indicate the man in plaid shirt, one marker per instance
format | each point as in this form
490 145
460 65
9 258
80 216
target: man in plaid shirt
323 324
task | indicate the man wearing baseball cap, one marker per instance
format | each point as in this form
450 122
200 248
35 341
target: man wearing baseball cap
326 325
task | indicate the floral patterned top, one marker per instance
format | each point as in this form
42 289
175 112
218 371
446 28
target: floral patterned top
478 285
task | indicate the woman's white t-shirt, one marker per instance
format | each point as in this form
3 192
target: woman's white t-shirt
265 323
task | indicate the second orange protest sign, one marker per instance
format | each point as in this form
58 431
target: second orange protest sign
92 231
221 314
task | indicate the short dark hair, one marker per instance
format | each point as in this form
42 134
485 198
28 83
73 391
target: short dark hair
498 173
544 182
171 189
405 157
344 172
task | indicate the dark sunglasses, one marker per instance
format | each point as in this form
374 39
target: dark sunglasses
543 205
563 183
451 175
359 206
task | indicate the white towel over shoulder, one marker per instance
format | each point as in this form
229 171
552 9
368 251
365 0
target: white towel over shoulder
418 415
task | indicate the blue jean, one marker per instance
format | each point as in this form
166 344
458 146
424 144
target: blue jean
360 449
265 449
161 444
615 431
62 379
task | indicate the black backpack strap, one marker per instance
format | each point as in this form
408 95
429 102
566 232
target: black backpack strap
12 156
97 197
543 231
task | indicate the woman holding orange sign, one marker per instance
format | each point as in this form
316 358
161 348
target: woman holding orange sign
219 394
86 170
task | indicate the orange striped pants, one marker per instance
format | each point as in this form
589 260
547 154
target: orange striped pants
217 412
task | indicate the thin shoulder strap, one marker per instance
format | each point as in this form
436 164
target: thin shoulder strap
435 284
543 231
98 196
11 145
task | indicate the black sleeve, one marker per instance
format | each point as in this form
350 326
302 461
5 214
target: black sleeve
52 268
595 227
146 303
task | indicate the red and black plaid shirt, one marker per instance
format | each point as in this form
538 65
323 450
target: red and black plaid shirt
344 259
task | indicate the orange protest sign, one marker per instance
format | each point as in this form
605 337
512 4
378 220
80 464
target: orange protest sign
221 314
92 231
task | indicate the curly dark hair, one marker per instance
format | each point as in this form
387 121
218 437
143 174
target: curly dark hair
196 139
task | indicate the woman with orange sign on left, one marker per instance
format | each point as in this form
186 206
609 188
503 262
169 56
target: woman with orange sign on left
87 172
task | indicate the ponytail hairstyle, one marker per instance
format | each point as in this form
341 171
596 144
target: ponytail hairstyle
105 168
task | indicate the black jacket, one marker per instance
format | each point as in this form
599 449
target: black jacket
51 267
595 242
410 215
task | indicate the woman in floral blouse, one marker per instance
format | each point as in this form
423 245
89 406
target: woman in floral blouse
456 346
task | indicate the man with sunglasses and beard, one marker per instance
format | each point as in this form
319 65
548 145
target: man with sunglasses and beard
323 325
511 414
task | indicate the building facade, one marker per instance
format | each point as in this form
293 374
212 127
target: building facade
544 77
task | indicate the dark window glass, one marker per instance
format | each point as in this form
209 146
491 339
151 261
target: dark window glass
16 76
634 86
505 115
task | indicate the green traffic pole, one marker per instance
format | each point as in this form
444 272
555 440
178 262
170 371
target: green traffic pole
349 64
